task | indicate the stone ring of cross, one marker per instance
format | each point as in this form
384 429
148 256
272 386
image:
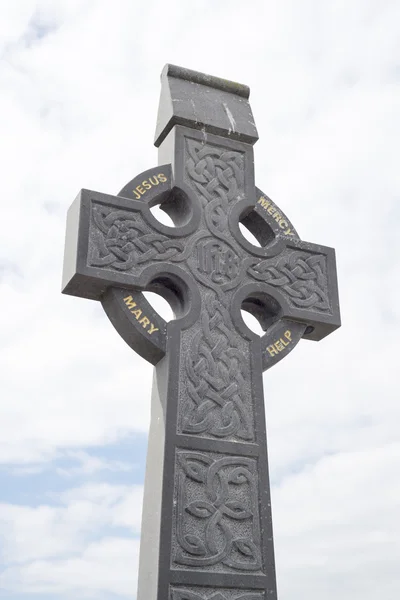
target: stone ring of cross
268 281
209 529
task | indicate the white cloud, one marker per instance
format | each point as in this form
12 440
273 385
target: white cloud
339 527
53 548
89 465
105 567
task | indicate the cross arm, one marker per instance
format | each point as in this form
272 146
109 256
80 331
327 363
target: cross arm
302 278
115 241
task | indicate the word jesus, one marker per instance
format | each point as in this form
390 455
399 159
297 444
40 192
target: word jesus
147 184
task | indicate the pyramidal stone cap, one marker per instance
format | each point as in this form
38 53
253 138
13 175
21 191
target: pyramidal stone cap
204 102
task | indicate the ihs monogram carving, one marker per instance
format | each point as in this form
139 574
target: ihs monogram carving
300 276
215 399
193 593
216 517
122 240
216 263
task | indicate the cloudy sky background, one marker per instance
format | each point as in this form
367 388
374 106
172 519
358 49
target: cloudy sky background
79 88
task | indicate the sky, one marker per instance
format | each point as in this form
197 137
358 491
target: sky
79 91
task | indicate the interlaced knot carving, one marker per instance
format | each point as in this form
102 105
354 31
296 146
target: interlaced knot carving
218 175
216 370
124 240
300 275
217 511
189 594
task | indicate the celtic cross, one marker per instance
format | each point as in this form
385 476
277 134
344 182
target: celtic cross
206 528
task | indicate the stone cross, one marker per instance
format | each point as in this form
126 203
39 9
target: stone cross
206 528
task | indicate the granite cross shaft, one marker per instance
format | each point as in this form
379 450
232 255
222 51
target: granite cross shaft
206 528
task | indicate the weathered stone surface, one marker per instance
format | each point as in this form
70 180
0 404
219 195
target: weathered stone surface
207 531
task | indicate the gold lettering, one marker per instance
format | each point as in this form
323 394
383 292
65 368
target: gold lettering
155 182
289 231
280 344
272 350
162 178
144 321
146 184
140 190
129 302
137 196
264 203
270 208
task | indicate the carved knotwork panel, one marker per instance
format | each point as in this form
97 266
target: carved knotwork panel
216 516
301 276
216 172
197 593
215 379
121 240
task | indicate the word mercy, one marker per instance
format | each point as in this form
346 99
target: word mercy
143 321
276 215
147 184
280 344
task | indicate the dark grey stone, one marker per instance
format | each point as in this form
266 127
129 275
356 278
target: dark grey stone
207 530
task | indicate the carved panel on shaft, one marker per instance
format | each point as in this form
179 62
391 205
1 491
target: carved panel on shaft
205 593
215 394
216 521
214 388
